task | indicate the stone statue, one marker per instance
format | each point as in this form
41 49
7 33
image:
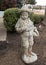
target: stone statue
28 30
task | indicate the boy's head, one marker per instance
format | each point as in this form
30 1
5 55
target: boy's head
25 10
24 15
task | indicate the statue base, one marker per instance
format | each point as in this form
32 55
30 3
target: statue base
29 59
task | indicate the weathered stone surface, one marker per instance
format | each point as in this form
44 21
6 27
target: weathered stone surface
3 33
25 27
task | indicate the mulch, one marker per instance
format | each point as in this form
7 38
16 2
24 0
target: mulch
10 52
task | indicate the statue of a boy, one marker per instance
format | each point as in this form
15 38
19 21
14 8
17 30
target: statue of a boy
26 28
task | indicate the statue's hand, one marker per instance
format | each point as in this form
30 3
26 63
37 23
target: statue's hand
36 33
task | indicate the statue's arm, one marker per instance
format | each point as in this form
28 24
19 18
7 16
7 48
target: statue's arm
35 31
20 27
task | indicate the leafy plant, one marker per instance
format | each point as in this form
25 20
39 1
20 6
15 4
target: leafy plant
36 18
10 18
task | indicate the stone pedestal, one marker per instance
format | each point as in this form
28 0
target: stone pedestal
29 59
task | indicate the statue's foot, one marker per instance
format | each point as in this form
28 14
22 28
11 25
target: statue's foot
31 54
29 59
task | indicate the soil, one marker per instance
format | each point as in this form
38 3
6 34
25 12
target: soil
10 52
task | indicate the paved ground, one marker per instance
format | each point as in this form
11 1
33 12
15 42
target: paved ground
2 30
10 53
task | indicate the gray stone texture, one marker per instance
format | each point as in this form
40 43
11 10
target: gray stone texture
3 33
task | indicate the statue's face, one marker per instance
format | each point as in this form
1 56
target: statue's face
24 15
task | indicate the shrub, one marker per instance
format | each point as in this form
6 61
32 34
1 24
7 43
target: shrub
10 18
36 18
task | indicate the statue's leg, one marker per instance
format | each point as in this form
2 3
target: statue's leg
25 45
31 42
28 56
